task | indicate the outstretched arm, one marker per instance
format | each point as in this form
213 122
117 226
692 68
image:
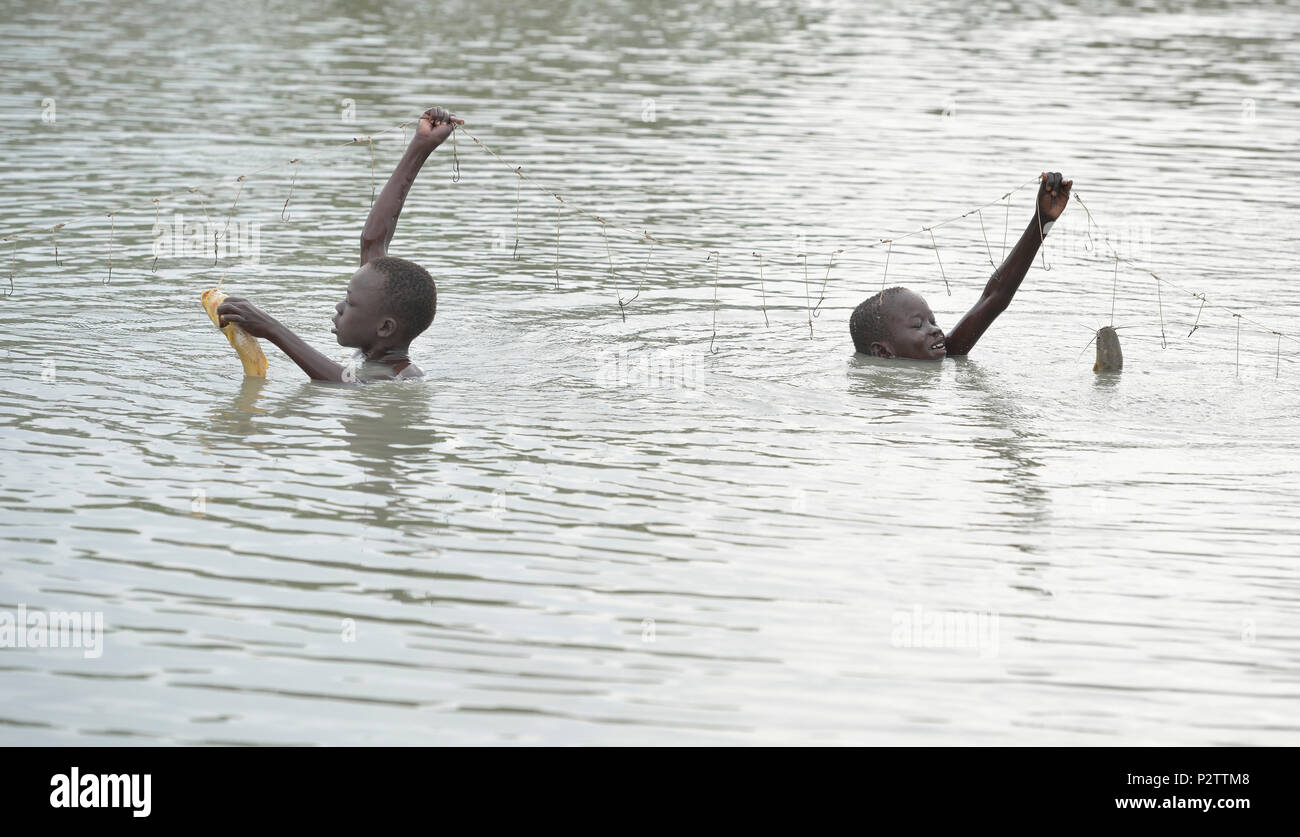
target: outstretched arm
1053 196
435 126
258 323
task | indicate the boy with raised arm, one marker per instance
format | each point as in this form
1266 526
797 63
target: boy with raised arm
897 323
389 301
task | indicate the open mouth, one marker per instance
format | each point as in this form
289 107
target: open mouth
937 346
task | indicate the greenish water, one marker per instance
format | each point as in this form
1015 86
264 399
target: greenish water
590 529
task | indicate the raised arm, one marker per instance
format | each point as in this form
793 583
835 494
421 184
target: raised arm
435 126
1053 197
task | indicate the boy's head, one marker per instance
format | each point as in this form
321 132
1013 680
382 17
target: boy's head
389 301
896 323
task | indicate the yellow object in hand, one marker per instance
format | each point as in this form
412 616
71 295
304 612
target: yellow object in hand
246 345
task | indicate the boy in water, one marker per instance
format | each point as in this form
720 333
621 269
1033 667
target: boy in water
389 301
897 323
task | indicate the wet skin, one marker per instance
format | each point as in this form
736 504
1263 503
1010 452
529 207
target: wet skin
361 320
912 332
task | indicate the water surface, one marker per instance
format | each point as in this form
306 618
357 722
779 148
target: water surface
700 522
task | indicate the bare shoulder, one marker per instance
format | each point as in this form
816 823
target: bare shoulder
373 372
411 372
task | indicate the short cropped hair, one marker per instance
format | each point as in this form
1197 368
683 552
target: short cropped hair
867 324
412 296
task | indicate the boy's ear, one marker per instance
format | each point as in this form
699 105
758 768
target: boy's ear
881 350
387 327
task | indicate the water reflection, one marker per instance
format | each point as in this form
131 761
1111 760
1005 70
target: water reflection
234 417
1013 438
895 384
389 430
1107 382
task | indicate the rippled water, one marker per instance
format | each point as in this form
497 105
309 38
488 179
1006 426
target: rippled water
587 529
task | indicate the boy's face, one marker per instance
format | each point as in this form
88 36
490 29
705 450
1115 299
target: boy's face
361 320
912 332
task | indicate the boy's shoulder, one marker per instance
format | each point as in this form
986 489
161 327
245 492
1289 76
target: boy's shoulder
365 371
409 372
